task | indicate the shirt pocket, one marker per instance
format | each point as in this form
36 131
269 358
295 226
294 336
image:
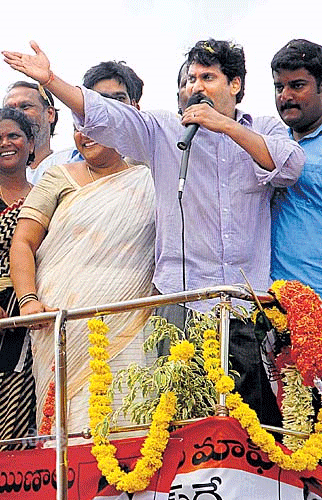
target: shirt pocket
248 182
308 189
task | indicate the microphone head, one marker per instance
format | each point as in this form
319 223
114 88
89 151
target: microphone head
199 98
195 99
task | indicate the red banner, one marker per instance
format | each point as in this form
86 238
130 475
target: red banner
213 459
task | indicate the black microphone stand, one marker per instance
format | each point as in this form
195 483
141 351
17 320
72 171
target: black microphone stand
182 179
183 169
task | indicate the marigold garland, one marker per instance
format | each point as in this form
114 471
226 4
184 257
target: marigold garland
155 443
298 364
305 458
297 407
48 409
277 318
211 352
304 319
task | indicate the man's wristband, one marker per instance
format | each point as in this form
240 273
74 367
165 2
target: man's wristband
26 298
42 90
50 79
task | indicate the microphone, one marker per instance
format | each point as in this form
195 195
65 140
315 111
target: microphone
192 128
185 142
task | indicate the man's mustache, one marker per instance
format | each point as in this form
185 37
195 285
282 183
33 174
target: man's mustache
289 105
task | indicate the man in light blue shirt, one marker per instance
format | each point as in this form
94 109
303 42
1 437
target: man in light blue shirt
297 210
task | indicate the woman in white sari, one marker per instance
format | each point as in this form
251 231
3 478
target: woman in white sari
85 236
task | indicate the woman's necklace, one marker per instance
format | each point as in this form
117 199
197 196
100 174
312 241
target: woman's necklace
90 171
15 199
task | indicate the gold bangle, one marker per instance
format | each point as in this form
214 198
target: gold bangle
42 90
50 79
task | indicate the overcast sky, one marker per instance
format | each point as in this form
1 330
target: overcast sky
152 36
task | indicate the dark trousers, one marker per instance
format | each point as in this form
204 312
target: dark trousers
245 359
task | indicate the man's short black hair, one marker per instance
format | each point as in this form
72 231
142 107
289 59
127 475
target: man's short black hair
300 53
44 102
118 71
230 58
137 82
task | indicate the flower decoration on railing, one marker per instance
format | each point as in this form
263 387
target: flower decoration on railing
155 443
299 311
305 458
297 319
303 308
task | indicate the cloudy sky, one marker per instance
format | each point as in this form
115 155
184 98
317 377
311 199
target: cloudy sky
152 36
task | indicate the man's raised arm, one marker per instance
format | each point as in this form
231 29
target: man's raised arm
38 67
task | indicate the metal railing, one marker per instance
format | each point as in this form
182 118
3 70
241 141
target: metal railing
60 317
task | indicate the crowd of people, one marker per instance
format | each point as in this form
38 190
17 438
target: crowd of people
103 222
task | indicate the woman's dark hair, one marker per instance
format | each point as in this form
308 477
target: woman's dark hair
230 58
24 124
298 54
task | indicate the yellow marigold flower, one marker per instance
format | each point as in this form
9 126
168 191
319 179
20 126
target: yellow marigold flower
258 437
98 384
268 442
154 462
211 364
212 345
208 334
286 462
99 440
318 427
225 384
95 421
276 286
238 412
183 351
247 419
99 400
276 454
98 340
101 411
278 319
215 374
98 352
99 378
233 400
299 460
96 449
114 476
169 400
97 326
99 366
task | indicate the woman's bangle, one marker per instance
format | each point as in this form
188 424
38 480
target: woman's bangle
26 298
50 79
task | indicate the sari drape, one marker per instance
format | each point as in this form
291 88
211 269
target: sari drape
99 249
